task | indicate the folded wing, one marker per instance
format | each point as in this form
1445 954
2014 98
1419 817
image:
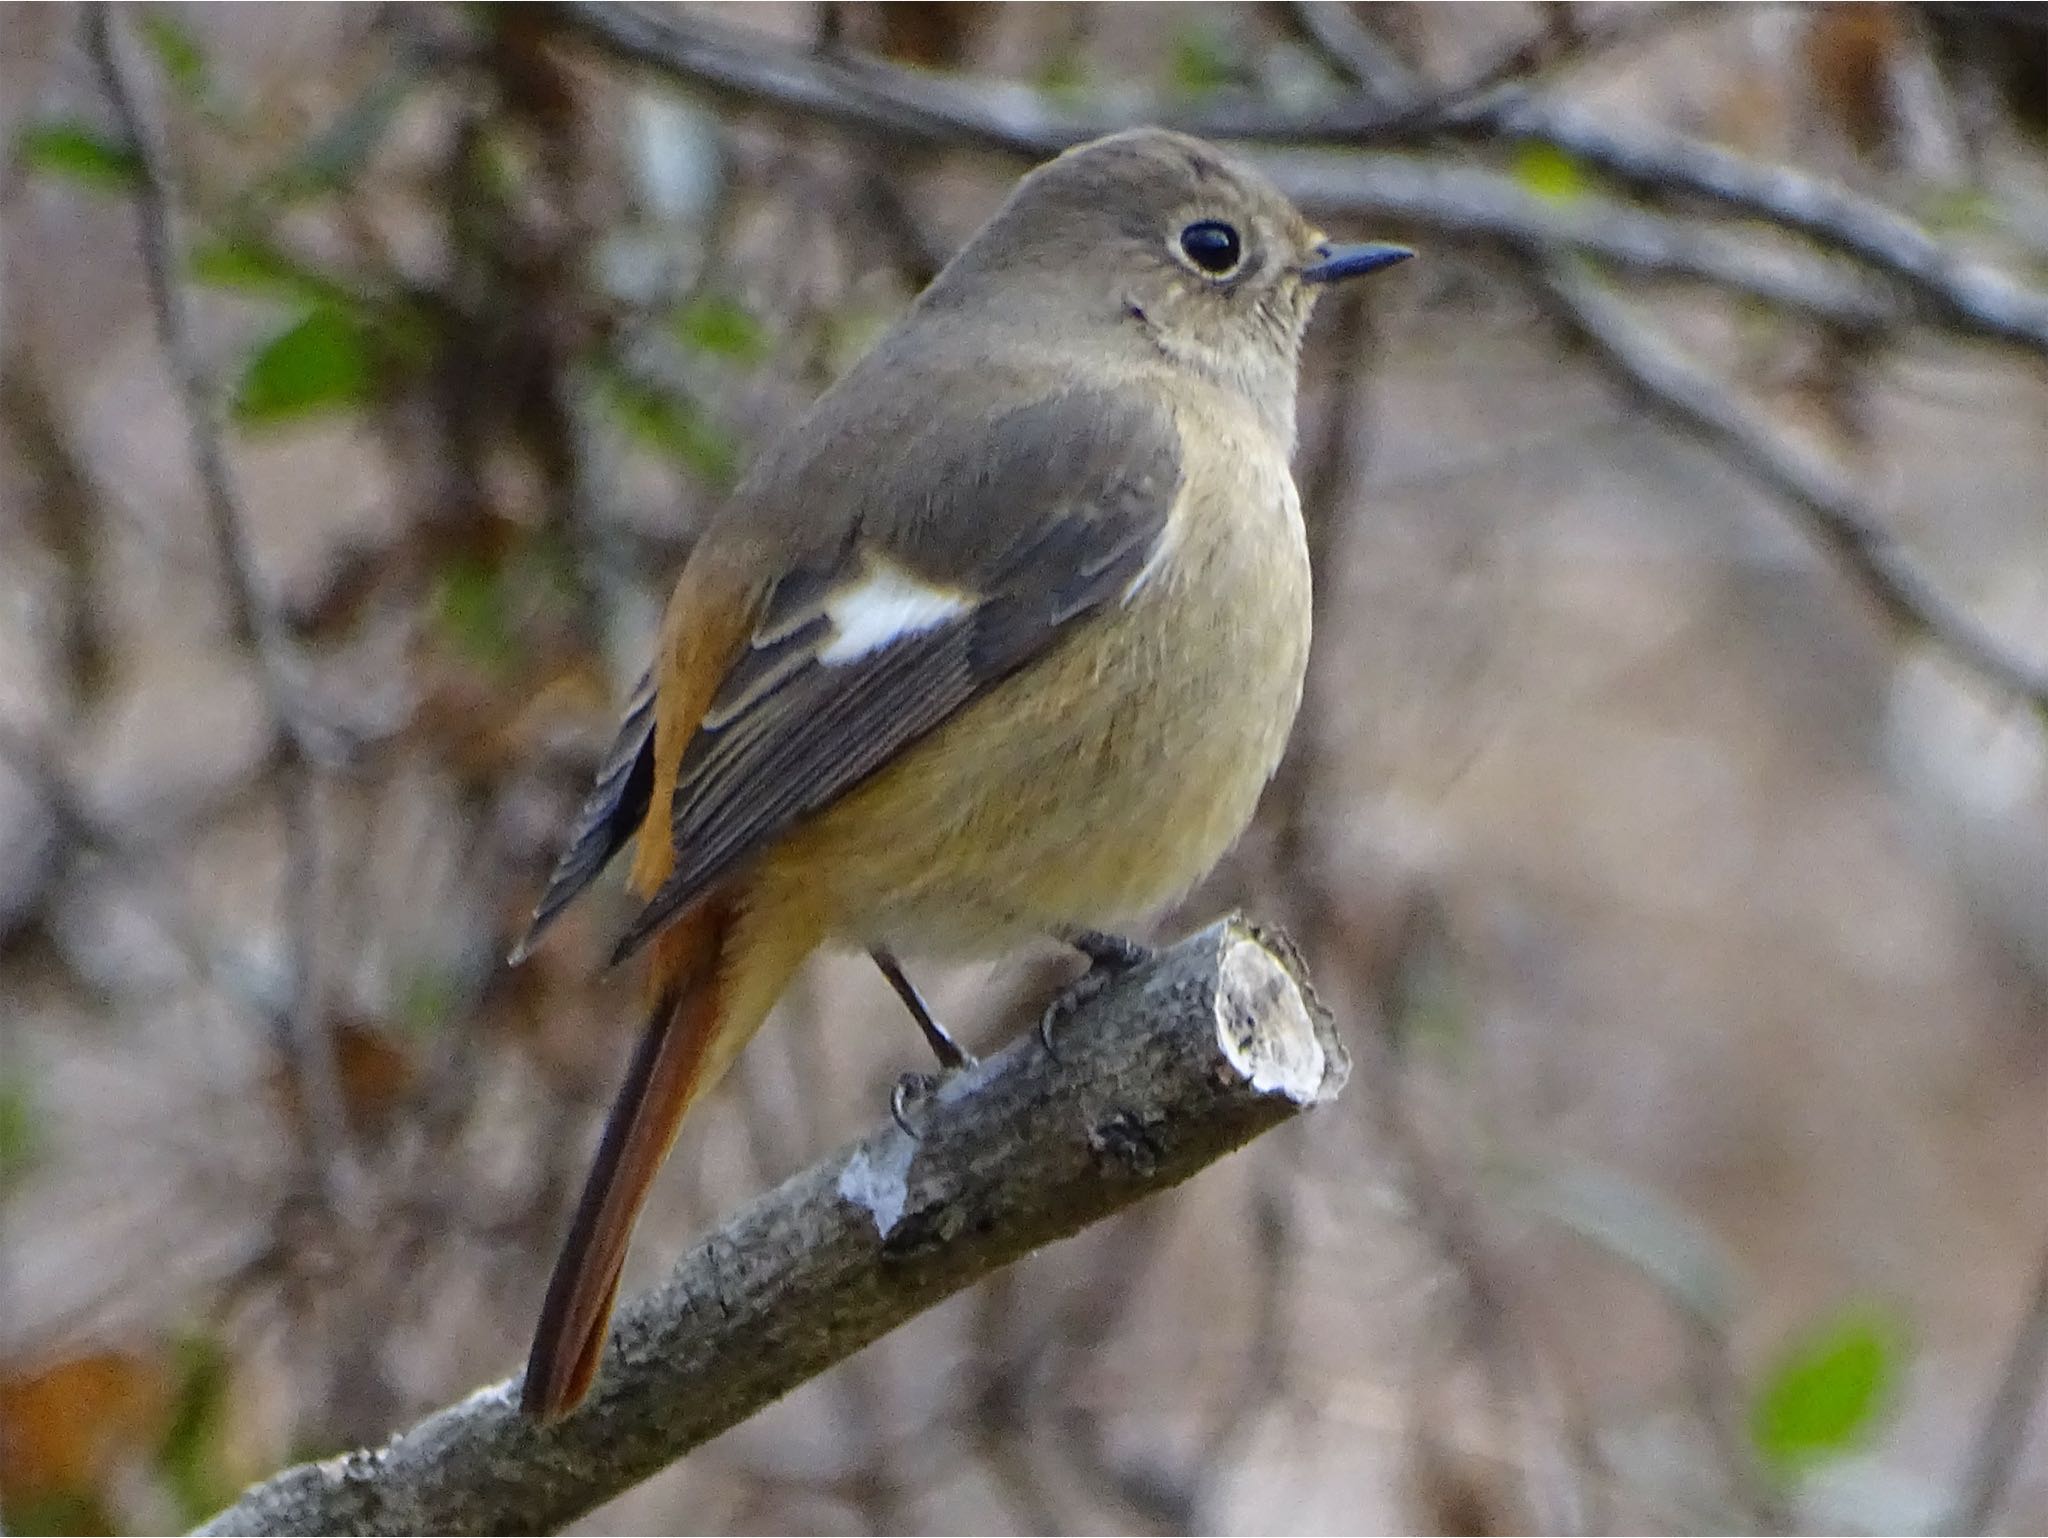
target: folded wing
960 572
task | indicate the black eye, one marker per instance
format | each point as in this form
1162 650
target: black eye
1212 246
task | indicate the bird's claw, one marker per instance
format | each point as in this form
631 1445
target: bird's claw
1109 958
912 1090
1107 952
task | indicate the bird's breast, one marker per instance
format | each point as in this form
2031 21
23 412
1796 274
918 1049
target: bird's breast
1111 774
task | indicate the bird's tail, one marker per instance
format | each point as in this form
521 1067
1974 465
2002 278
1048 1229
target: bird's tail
688 1041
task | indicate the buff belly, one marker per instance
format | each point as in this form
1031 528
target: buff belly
1097 785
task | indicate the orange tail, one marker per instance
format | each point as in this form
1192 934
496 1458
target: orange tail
715 973
666 1075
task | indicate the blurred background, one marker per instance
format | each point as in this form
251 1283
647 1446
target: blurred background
1667 825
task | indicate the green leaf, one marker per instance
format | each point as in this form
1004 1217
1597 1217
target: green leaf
1201 62
1430 1007
58 1512
1064 77
189 1454
429 996
671 426
20 1130
251 265
177 52
471 603
76 152
1828 1391
721 328
246 265
1551 174
324 362
1960 210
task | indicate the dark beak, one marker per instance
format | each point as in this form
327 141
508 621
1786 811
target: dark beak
1335 262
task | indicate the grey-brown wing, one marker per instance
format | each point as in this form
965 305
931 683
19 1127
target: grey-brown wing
610 814
1067 498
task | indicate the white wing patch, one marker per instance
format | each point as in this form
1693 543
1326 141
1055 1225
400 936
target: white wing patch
1162 547
883 607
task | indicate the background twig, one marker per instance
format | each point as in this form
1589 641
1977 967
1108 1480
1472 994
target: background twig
252 622
2008 1417
1837 517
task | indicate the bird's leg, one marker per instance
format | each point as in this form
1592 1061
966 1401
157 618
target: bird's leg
1109 957
913 1087
950 1053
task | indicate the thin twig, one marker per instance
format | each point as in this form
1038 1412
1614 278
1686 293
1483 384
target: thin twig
857 94
79 827
1831 510
1489 1323
1483 205
1995 1452
1348 44
1478 205
1718 1397
253 625
1967 296
1354 51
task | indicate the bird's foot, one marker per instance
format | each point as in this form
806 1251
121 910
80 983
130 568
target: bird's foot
911 1092
1109 958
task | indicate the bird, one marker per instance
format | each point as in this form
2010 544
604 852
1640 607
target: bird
1000 640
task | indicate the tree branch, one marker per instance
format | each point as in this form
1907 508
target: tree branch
1161 1073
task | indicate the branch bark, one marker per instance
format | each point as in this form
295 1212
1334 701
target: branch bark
1164 1071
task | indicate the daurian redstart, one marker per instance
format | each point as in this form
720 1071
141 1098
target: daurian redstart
1002 639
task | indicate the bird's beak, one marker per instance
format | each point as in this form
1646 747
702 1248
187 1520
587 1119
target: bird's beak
1335 262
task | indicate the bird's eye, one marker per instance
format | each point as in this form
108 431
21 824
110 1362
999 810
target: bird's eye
1212 246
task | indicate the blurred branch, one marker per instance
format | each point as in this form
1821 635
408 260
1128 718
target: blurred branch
1719 1399
1346 42
866 96
858 94
1462 201
1158 1075
254 626
1831 510
1483 205
1835 515
1489 1324
870 96
1995 1454
1968 296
